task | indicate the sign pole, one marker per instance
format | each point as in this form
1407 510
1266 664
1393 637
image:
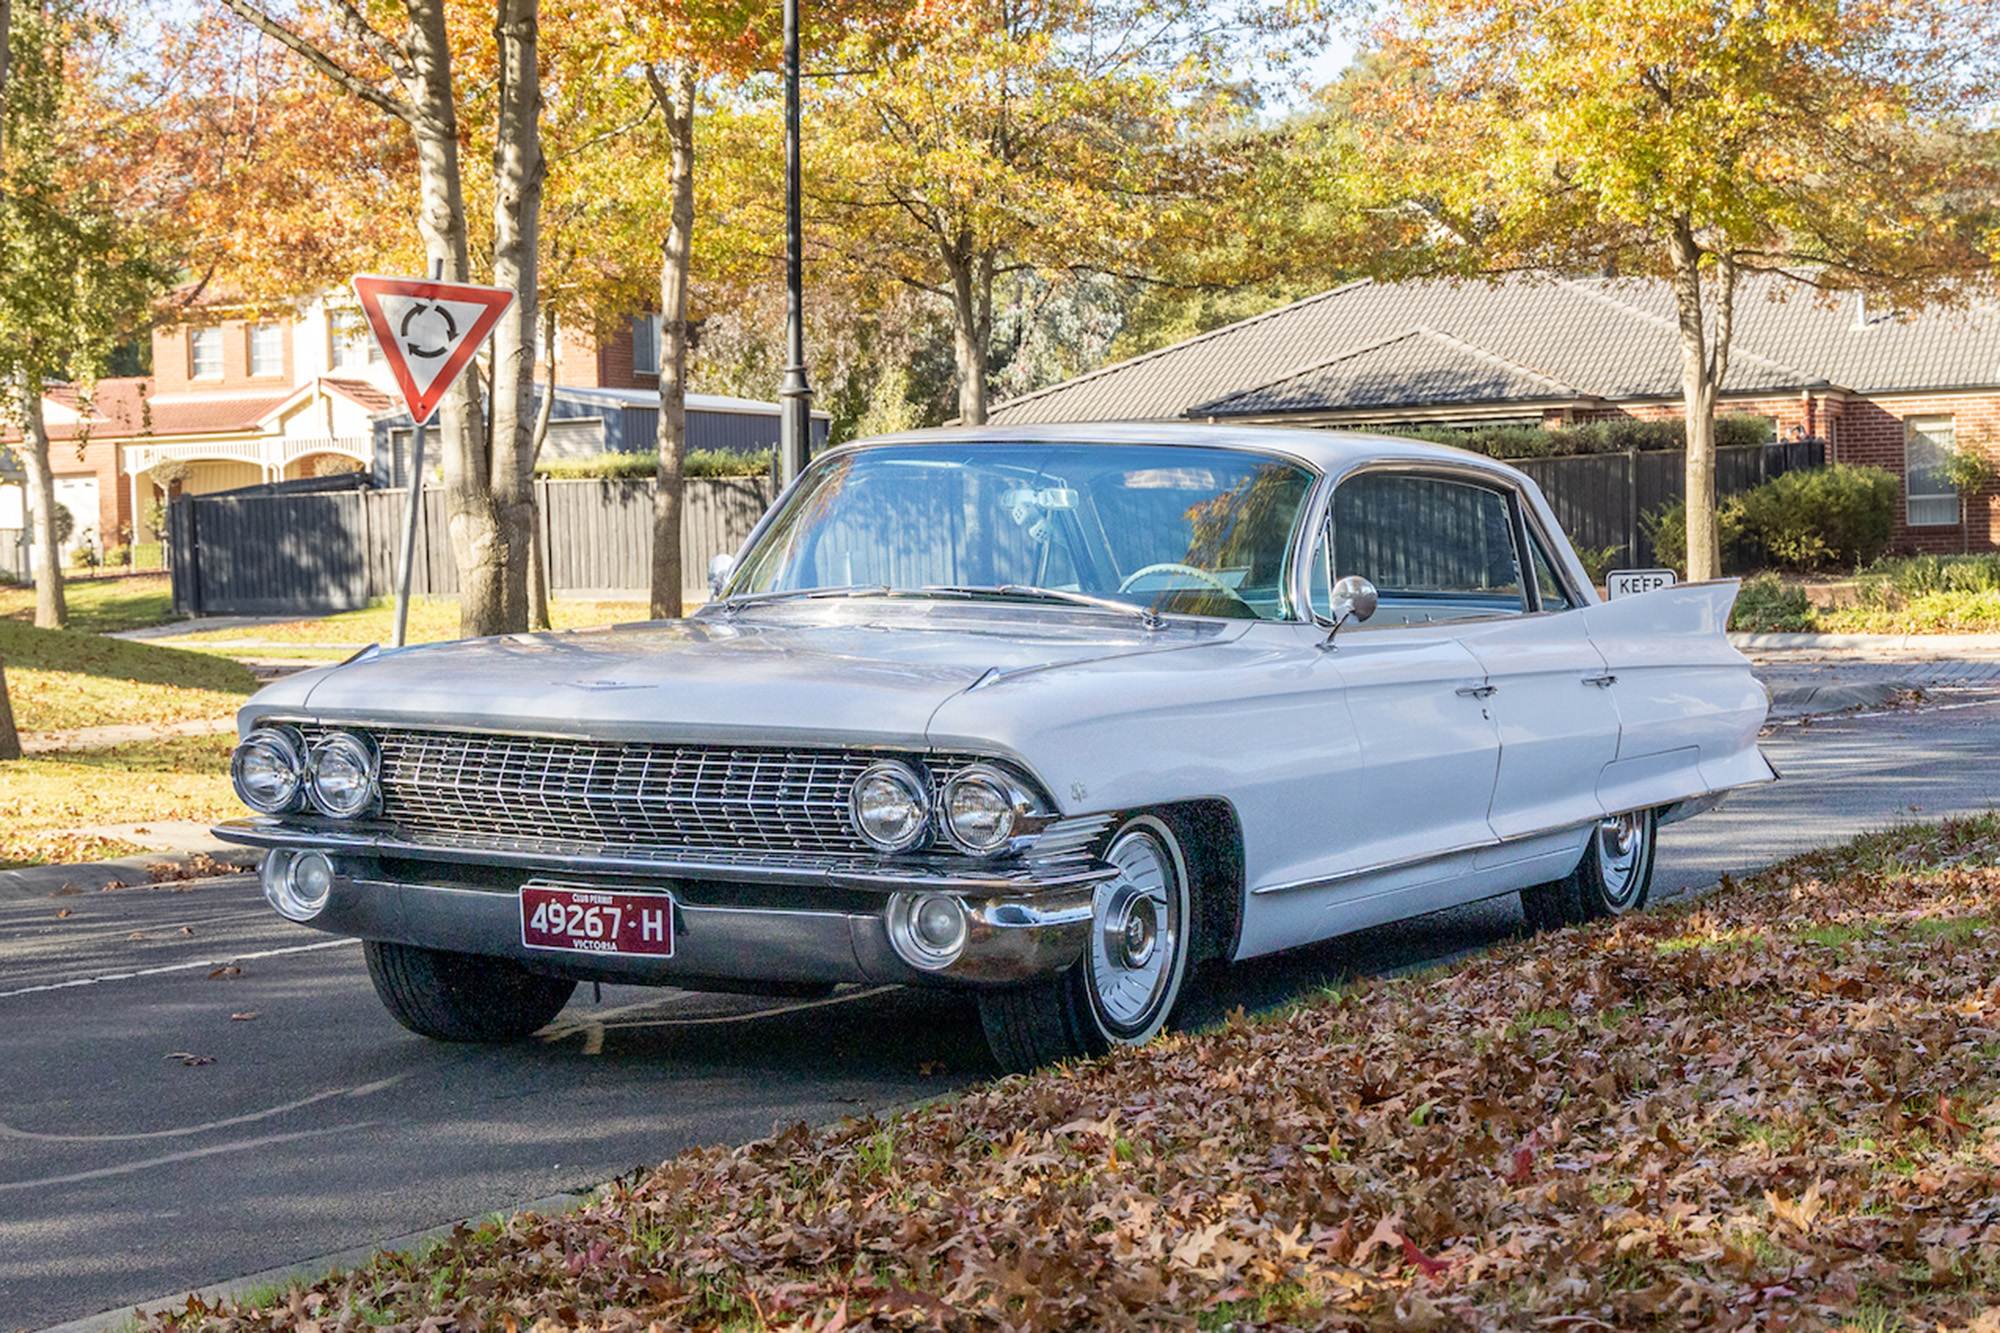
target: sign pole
406 558
795 395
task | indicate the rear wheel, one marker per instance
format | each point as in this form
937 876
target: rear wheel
1133 970
462 996
1613 878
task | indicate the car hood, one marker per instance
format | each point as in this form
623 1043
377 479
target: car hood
798 673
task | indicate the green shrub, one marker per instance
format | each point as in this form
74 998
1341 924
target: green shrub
1813 519
699 463
1767 606
1592 437
118 555
1833 516
1667 529
1925 575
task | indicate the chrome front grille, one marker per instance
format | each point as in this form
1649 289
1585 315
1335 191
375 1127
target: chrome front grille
634 800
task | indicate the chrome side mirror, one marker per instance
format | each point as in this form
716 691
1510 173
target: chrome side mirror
719 569
1353 596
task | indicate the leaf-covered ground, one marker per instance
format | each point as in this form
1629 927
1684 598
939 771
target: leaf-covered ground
1776 1108
47 797
431 620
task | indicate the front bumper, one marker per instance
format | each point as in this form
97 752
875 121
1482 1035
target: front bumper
734 925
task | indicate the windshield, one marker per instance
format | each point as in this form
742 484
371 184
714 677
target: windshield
1174 529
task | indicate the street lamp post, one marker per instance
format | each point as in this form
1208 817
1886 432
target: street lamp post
795 396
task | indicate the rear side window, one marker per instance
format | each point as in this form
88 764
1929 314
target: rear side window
1434 548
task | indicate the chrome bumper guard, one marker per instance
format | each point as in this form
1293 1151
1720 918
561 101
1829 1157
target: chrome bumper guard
1023 922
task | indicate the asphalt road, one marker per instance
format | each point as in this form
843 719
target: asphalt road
195 1090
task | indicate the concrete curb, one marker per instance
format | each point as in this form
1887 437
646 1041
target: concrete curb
1927 645
135 871
311 1270
1817 700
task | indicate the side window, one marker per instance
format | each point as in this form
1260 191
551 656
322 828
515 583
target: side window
1435 549
1547 582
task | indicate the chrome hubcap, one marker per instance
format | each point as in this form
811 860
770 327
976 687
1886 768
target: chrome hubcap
1137 932
1621 854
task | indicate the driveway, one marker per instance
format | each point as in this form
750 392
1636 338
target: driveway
199 1090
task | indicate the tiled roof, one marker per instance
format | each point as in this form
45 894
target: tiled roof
208 413
360 392
1420 367
1374 345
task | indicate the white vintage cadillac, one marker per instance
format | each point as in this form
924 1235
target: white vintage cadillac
1054 714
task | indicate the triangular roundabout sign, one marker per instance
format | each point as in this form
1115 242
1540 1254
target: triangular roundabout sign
429 331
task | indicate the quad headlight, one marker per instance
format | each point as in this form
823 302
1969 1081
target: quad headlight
340 774
268 770
983 807
890 806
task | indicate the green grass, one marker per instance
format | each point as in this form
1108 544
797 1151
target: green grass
100 605
61 679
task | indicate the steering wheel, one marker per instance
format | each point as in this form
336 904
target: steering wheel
1201 576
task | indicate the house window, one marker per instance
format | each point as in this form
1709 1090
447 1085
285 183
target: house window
350 346
1929 500
645 344
267 349
205 354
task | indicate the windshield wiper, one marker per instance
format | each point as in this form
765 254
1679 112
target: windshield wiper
734 604
1148 617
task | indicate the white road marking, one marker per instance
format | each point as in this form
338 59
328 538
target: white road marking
174 967
9 1132
133 1168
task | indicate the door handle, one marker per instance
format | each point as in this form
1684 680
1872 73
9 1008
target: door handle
1479 691
1601 682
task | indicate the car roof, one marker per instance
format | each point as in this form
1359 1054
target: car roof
1333 452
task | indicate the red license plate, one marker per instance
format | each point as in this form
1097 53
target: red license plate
597 921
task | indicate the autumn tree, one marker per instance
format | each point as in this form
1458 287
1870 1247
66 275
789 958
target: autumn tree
75 275
406 73
989 137
1690 142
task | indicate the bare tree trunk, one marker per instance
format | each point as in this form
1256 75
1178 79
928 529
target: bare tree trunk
517 206
538 570
51 610
971 326
675 93
10 739
1702 368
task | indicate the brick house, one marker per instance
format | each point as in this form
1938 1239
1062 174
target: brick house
1889 389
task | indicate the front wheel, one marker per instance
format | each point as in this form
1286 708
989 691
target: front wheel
1124 988
462 996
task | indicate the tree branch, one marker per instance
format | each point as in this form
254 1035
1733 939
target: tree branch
319 60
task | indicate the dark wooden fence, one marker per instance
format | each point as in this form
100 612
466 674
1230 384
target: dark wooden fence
253 554
1603 499
270 554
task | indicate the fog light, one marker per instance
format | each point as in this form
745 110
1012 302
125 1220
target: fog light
297 884
890 806
928 930
341 775
268 769
311 882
